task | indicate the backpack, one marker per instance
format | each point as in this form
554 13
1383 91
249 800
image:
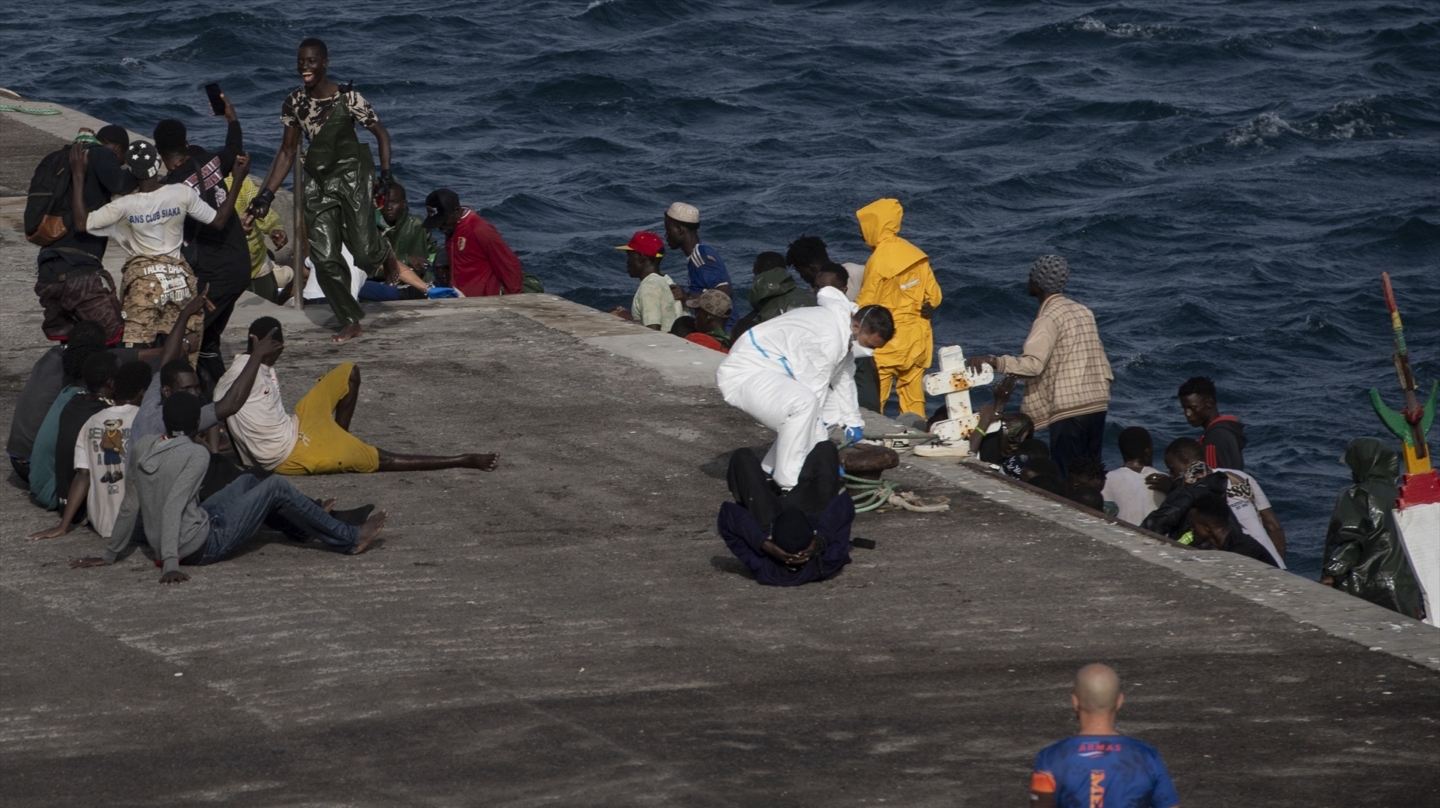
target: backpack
48 201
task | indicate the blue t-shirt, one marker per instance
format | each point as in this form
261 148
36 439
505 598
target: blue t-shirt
1103 771
707 270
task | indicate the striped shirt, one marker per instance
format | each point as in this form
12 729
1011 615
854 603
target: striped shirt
1063 364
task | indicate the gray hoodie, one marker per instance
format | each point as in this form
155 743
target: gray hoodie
163 488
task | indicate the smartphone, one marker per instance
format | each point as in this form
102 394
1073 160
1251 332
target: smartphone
217 104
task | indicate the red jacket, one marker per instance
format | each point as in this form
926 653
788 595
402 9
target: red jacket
481 263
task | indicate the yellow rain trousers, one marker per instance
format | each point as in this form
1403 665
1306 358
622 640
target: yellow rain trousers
898 277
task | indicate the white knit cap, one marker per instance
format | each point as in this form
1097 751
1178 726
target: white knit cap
682 212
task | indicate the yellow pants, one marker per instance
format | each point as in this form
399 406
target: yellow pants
323 447
909 383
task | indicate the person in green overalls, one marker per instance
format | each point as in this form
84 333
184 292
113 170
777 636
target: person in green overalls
405 231
340 185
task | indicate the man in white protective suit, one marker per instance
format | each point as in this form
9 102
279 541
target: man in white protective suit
795 372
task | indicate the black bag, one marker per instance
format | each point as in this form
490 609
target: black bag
48 201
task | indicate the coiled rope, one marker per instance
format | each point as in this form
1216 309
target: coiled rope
29 110
870 495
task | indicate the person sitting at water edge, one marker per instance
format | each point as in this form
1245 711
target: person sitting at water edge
1126 486
1215 528
773 291
790 539
70 279
898 276
1098 766
707 326
1067 375
481 263
652 305
1224 438
405 231
164 493
1190 476
784 372
705 266
316 439
340 183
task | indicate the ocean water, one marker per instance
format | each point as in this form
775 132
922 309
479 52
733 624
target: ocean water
1227 179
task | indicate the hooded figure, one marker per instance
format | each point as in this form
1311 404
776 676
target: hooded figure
898 277
1363 555
774 293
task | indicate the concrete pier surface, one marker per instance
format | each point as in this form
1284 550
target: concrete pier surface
570 630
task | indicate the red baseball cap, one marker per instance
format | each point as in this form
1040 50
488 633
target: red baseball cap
645 243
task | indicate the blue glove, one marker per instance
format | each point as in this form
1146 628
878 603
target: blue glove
438 292
853 434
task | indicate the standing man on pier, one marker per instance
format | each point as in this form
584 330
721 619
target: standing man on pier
340 184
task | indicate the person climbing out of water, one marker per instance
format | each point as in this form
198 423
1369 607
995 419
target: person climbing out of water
652 305
1363 554
412 242
340 185
317 438
1098 766
163 491
707 326
1224 438
792 538
1067 376
156 281
71 282
481 263
217 257
705 266
772 292
788 372
898 276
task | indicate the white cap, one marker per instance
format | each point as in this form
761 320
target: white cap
682 212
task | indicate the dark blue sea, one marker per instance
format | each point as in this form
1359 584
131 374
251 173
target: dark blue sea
1227 179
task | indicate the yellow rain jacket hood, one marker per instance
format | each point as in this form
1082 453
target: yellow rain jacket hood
898 277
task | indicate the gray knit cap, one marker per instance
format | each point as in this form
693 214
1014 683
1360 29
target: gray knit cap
1050 272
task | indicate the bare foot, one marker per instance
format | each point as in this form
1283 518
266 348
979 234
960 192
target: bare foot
484 462
349 332
369 531
329 504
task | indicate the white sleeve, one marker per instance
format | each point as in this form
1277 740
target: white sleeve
101 221
197 208
1261 502
82 456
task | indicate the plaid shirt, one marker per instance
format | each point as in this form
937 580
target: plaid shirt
1063 364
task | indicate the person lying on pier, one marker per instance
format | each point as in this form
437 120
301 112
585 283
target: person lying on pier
1098 766
793 538
653 306
795 372
1190 476
316 439
164 490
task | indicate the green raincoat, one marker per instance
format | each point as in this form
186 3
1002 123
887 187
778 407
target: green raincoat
774 293
1362 547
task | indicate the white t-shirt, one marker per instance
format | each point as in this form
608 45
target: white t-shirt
1247 500
264 429
151 223
857 277
101 447
1126 488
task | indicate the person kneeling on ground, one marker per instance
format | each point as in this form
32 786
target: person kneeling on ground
164 492
316 439
796 538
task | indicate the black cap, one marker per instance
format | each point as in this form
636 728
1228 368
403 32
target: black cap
792 531
438 206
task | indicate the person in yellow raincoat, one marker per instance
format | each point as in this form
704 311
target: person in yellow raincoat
898 277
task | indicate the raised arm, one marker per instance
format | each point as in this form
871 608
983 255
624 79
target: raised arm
234 138
239 392
176 348
227 208
79 162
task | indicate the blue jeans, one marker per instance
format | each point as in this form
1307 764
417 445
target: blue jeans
237 511
374 290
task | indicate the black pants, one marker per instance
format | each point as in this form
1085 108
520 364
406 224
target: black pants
819 483
867 384
1074 438
211 365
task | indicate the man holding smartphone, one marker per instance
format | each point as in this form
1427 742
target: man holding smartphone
341 190
219 257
